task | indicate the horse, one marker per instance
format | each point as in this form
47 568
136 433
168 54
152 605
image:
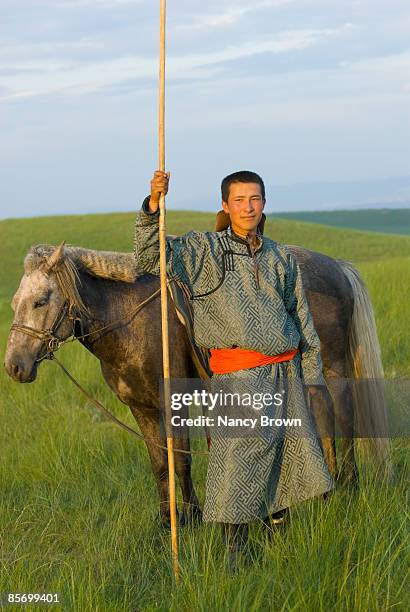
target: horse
69 291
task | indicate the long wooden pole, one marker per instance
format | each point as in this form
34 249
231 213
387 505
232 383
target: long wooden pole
164 301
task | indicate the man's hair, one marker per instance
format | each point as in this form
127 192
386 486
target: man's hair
244 176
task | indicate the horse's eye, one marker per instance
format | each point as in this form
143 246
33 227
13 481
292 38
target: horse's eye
41 302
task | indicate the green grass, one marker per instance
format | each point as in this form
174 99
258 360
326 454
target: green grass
79 503
392 221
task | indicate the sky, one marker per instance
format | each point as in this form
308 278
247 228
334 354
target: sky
314 95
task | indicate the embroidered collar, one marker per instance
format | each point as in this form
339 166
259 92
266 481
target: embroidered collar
231 234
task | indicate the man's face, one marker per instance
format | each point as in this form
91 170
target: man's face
244 206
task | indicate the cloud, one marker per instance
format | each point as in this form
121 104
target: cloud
98 3
48 76
386 75
229 16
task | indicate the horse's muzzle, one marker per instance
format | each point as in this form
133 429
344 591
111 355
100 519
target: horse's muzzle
20 370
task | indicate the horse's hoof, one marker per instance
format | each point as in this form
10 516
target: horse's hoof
191 516
165 520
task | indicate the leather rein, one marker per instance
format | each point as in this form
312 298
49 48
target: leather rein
52 343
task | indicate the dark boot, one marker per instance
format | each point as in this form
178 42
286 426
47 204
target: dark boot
235 537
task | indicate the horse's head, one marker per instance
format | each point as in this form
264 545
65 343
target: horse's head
47 292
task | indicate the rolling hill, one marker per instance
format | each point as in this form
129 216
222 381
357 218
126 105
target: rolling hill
391 221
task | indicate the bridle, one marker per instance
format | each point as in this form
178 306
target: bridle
49 338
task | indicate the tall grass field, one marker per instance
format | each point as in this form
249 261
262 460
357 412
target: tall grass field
78 506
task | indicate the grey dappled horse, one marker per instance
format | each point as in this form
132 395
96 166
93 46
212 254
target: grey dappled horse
78 291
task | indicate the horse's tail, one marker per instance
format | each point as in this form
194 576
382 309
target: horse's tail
364 362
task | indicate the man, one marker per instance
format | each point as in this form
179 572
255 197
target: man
251 312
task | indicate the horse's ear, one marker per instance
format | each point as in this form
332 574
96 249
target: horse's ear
55 259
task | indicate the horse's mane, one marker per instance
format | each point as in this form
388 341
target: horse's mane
101 264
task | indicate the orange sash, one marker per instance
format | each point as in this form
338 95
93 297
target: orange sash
226 360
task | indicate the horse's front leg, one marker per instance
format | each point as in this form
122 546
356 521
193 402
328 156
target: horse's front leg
150 429
191 511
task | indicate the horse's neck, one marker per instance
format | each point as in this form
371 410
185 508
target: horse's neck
107 302
96 296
